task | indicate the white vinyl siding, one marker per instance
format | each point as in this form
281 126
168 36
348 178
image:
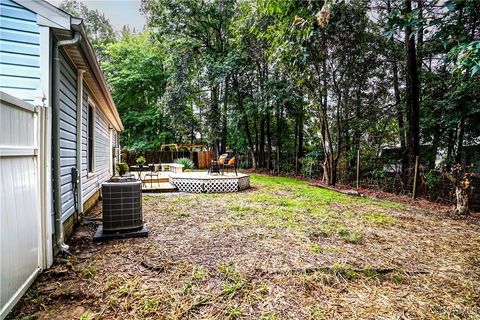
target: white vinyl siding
68 134
91 183
19 51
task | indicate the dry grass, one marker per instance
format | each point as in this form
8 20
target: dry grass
282 250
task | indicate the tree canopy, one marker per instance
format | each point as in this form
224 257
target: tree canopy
286 83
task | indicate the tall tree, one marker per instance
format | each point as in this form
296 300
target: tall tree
412 94
136 70
203 27
99 29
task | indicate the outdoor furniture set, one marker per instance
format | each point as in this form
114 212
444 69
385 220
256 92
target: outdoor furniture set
154 170
221 164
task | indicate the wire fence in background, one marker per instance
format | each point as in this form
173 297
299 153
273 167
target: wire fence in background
381 174
375 173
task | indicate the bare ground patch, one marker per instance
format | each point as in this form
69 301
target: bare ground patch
282 250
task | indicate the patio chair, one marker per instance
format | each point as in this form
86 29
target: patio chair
216 166
232 163
138 170
151 174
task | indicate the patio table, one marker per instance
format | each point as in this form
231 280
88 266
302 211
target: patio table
172 167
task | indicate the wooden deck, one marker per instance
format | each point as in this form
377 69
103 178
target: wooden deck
196 181
159 187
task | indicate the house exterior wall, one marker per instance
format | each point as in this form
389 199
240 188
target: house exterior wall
91 181
22 63
26 46
68 135
20 51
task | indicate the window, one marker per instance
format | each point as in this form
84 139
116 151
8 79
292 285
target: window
90 142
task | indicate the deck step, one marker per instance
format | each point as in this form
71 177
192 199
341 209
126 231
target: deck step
159 187
157 180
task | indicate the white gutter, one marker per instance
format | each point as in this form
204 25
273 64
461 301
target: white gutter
62 246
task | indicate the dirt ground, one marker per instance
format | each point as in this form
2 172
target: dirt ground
281 250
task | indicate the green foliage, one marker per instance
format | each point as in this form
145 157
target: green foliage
87 316
234 313
136 71
432 179
350 236
187 163
122 168
265 79
316 248
342 270
233 282
465 58
99 29
380 219
90 270
140 160
378 174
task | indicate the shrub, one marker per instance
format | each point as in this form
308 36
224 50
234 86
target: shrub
140 161
432 179
307 166
187 163
122 168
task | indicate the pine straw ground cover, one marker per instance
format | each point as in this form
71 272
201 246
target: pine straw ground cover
281 250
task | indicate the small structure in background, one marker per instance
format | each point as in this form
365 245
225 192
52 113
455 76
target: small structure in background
184 146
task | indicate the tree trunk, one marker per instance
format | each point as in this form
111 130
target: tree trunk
330 165
279 135
436 140
224 118
245 123
300 138
412 95
450 146
461 134
269 143
261 149
462 191
257 142
398 105
295 147
396 92
215 120
250 142
200 123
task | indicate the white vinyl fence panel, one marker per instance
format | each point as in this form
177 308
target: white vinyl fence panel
20 220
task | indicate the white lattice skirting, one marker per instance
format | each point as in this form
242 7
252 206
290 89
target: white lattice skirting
210 185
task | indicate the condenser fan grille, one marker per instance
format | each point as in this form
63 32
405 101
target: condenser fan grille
122 205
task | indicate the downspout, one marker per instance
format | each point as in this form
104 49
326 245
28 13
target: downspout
62 246
79 139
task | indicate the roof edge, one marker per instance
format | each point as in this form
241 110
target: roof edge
53 17
87 49
49 15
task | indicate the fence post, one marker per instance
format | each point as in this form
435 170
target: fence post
414 193
358 166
